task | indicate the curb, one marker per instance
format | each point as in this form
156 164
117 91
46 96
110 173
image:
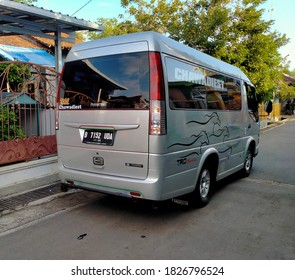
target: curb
267 124
25 176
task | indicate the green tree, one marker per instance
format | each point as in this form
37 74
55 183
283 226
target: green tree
142 16
235 32
155 15
231 30
113 27
254 48
205 25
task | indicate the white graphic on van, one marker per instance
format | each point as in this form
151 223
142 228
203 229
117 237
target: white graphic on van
70 107
197 78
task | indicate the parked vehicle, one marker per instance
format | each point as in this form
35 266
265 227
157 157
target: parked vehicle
143 116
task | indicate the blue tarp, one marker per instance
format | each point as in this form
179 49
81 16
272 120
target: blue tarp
27 54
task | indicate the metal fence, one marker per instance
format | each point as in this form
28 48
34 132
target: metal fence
27 111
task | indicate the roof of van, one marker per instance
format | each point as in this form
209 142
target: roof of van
161 43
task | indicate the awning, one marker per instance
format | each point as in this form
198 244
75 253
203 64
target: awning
18 18
27 55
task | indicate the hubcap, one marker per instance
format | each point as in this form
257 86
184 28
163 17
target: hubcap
248 162
205 183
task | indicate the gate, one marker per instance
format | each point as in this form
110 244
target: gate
27 111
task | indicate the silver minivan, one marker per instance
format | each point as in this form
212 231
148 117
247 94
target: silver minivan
143 116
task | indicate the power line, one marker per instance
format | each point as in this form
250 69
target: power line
81 7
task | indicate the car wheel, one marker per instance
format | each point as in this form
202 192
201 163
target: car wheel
202 193
64 187
247 164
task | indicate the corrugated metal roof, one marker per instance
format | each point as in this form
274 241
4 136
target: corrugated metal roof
27 55
19 18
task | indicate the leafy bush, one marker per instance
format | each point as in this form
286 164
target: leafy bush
9 127
15 75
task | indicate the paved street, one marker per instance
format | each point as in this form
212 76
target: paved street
251 218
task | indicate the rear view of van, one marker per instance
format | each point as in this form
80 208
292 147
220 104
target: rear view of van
143 116
110 105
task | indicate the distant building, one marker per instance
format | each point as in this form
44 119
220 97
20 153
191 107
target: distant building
289 79
34 42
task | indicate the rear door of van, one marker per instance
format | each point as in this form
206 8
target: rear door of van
104 104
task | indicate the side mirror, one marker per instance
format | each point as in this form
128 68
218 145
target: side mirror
253 104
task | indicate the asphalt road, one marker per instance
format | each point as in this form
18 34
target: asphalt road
251 218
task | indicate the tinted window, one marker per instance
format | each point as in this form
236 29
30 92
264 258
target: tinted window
107 82
252 102
193 87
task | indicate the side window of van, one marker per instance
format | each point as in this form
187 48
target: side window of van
252 102
192 87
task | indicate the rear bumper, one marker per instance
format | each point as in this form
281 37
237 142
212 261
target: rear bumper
149 188
157 186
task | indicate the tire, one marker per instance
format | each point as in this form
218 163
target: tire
64 187
248 162
203 191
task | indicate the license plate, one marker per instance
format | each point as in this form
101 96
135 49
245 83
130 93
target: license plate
98 137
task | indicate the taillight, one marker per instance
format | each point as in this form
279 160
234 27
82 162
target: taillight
157 117
157 95
58 101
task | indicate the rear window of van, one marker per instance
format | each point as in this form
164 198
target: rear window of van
107 82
